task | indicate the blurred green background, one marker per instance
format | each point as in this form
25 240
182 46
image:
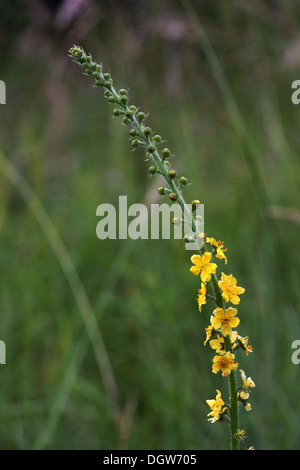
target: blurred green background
104 339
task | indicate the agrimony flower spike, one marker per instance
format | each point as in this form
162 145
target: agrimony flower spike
222 339
139 134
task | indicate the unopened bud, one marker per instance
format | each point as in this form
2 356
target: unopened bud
162 190
172 174
153 170
165 153
183 180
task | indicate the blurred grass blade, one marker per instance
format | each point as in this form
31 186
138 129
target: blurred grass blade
71 371
75 284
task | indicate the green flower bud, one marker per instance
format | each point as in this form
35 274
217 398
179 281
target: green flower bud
173 197
172 174
122 92
183 181
165 153
151 148
108 84
157 139
140 116
162 190
124 99
128 113
135 143
132 132
117 112
147 131
153 170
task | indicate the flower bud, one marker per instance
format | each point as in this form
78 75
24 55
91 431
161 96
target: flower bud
195 203
124 99
243 395
157 139
135 143
147 131
183 181
140 116
151 148
165 153
172 174
132 108
117 112
162 190
153 170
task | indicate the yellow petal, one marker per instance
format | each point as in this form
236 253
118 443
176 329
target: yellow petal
196 259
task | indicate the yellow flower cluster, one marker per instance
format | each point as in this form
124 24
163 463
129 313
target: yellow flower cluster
217 407
221 333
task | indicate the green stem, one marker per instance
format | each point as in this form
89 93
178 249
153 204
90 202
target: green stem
234 417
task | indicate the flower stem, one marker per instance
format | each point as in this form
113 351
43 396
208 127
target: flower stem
234 417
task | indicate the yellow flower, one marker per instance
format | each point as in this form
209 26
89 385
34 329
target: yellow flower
209 332
219 247
203 266
247 383
248 407
244 344
225 363
219 343
217 406
225 320
230 291
243 395
201 298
